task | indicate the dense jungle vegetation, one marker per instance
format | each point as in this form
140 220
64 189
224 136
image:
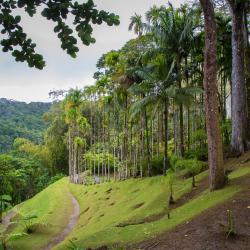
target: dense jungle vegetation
18 119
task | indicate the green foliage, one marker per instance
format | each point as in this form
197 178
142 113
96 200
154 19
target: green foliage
173 160
56 178
199 153
18 119
5 203
55 140
226 130
170 178
230 227
84 16
23 171
199 135
30 223
5 239
193 166
73 246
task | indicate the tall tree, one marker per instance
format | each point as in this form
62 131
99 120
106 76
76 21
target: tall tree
215 153
239 115
136 24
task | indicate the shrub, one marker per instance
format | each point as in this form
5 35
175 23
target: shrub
198 153
29 224
171 178
230 228
192 165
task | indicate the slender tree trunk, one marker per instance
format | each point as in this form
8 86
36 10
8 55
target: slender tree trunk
175 118
182 144
165 164
158 134
141 148
152 138
125 139
148 143
215 152
188 109
239 121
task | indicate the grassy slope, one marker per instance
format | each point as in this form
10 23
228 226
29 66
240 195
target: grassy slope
102 209
52 206
98 220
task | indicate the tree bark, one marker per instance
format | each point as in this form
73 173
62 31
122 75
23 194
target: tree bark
238 140
181 124
165 164
215 152
247 67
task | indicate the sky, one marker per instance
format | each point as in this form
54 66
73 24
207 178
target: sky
19 82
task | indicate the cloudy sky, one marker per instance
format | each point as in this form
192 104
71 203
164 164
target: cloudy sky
19 82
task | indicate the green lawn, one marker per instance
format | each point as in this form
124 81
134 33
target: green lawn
52 206
101 211
105 206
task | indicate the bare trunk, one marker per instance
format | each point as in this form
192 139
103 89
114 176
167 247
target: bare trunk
215 152
147 143
182 145
238 140
247 68
165 163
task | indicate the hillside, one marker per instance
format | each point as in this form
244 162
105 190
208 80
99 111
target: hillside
118 215
19 119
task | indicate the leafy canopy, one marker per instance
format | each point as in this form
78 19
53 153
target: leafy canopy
84 15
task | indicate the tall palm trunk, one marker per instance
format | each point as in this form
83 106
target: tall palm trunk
147 143
182 145
165 136
239 134
215 153
125 139
158 134
141 148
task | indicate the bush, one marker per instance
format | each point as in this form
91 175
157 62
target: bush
57 177
173 160
192 165
200 154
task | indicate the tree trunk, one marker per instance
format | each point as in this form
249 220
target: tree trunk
215 152
182 145
247 68
165 163
148 143
141 148
238 140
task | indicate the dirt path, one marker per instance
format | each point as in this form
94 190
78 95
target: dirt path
7 218
72 221
207 231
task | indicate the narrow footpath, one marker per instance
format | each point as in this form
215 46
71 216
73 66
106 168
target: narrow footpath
72 222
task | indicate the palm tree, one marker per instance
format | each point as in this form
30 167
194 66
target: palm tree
172 30
136 24
72 105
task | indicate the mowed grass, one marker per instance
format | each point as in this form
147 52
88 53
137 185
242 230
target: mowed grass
105 206
53 207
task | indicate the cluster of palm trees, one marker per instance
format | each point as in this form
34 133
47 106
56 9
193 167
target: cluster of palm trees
148 100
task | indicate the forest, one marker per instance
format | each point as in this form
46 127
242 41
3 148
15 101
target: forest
159 143
23 120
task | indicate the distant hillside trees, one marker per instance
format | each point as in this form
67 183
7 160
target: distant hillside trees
19 119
